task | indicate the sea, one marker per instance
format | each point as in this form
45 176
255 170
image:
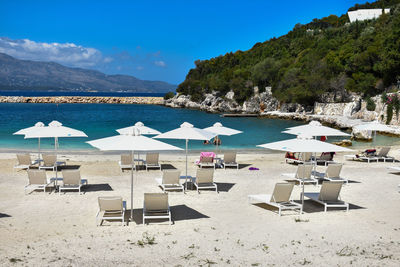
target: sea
102 120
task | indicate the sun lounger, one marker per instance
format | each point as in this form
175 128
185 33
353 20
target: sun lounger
325 158
383 154
368 155
303 158
206 162
126 162
332 173
50 162
328 196
230 160
205 180
155 206
72 181
37 180
24 161
170 180
303 174
111 208
152 161
280 198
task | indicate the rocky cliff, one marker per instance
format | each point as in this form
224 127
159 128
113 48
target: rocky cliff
340 115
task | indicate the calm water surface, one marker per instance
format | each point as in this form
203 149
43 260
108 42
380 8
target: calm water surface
101 120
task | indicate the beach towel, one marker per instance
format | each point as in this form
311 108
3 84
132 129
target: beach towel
205 154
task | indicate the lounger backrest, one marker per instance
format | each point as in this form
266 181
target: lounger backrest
171 177
333 170
330 191
306 156
110 203
282 192
49 160
126 159
207 160
24 159
37 177
304 171
384 151
325 156
152 158
230 157
204 176
156 201
71 177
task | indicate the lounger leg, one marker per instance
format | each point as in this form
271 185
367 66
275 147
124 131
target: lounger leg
279 211
325 207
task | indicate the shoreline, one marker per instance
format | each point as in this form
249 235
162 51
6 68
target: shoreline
147 100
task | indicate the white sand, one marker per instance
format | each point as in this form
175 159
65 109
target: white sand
48 229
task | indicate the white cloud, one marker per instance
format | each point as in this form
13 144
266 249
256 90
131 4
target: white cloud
139 68
64 53
107 59
160 63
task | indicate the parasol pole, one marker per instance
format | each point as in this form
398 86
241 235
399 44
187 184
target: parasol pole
133 164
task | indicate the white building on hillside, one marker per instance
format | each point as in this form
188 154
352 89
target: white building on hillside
364 14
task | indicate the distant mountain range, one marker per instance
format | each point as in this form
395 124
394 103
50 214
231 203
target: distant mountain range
18 74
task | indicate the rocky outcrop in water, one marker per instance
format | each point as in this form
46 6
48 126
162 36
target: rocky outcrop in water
82 99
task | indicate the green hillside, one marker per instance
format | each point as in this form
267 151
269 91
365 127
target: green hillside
326 55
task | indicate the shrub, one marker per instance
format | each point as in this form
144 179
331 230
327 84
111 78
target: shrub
169 95
370 104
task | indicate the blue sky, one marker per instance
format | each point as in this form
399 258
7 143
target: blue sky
152 40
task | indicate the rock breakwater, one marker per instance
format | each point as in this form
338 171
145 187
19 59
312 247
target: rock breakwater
83 99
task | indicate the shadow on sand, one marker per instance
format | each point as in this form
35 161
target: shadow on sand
178 212
96 187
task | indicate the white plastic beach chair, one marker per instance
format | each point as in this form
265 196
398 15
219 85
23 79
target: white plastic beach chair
170 181
332 173
205 180
50 162
155 206
362 158
152 161
303 174
37 180
230 160
325 158
111 208
24 161
72 181
280 198
126 162
383 154
329 196
305 157
206 162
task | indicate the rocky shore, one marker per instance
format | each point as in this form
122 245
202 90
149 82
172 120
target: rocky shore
83 99
343 115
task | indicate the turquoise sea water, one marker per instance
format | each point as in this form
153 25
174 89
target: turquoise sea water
101 120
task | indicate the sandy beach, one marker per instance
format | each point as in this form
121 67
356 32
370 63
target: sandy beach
40 229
